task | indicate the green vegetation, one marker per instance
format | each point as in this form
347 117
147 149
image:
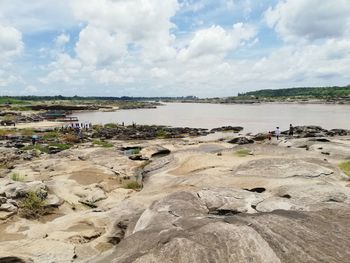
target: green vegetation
4 132
345 167
136 151
161 133
32 206
102 143
46 148
12 100
133 185
317 92
17 177
50 135
242 152
111 125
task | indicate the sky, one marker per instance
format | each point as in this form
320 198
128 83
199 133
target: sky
205 48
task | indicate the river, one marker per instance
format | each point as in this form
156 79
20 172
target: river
253 117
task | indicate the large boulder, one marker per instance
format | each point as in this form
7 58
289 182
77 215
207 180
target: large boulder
181 228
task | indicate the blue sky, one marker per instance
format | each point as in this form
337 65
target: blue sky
205 48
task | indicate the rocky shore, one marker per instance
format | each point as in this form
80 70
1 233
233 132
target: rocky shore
149 193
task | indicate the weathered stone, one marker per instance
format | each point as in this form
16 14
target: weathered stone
241 141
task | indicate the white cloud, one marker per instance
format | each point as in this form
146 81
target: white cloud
30 89
310 20
38 15
97 46
216 41
11 44
62 40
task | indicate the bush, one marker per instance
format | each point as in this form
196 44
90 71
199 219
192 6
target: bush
111 125
160 133
136 151
134 185
71 138
242 152
17 177
345 167
32 206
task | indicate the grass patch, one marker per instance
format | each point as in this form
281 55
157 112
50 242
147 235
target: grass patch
17 177
161 133
135 151
102 143
27 132
45 149
345 167
242 152
37 147
133 185
4 132
71 138
111 125
32 206
50 135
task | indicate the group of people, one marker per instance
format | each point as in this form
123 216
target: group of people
278 132
77 126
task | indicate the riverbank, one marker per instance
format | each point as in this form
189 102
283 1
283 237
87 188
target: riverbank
107 200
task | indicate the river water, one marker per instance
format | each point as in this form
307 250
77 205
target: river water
253 117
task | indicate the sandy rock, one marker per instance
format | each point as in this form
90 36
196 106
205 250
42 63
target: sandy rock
91 196
40 251
181 220
12 189
154 150
225 200
8 207
282 168
53 200
5 215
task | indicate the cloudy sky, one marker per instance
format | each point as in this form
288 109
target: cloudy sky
205 48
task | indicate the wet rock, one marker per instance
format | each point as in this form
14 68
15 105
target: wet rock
241 141
138 157
227 128
260 137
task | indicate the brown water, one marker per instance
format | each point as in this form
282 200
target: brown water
253 117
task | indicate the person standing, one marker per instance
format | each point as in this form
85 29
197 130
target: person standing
291 130
277 133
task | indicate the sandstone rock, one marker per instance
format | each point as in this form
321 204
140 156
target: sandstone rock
53 201
178 229
282 168
241 141
8 207
13 189
227 128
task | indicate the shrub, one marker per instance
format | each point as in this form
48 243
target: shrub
160 133
134 185
32 206
71 138
111 125
136 151
17 177
242 152
345 167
